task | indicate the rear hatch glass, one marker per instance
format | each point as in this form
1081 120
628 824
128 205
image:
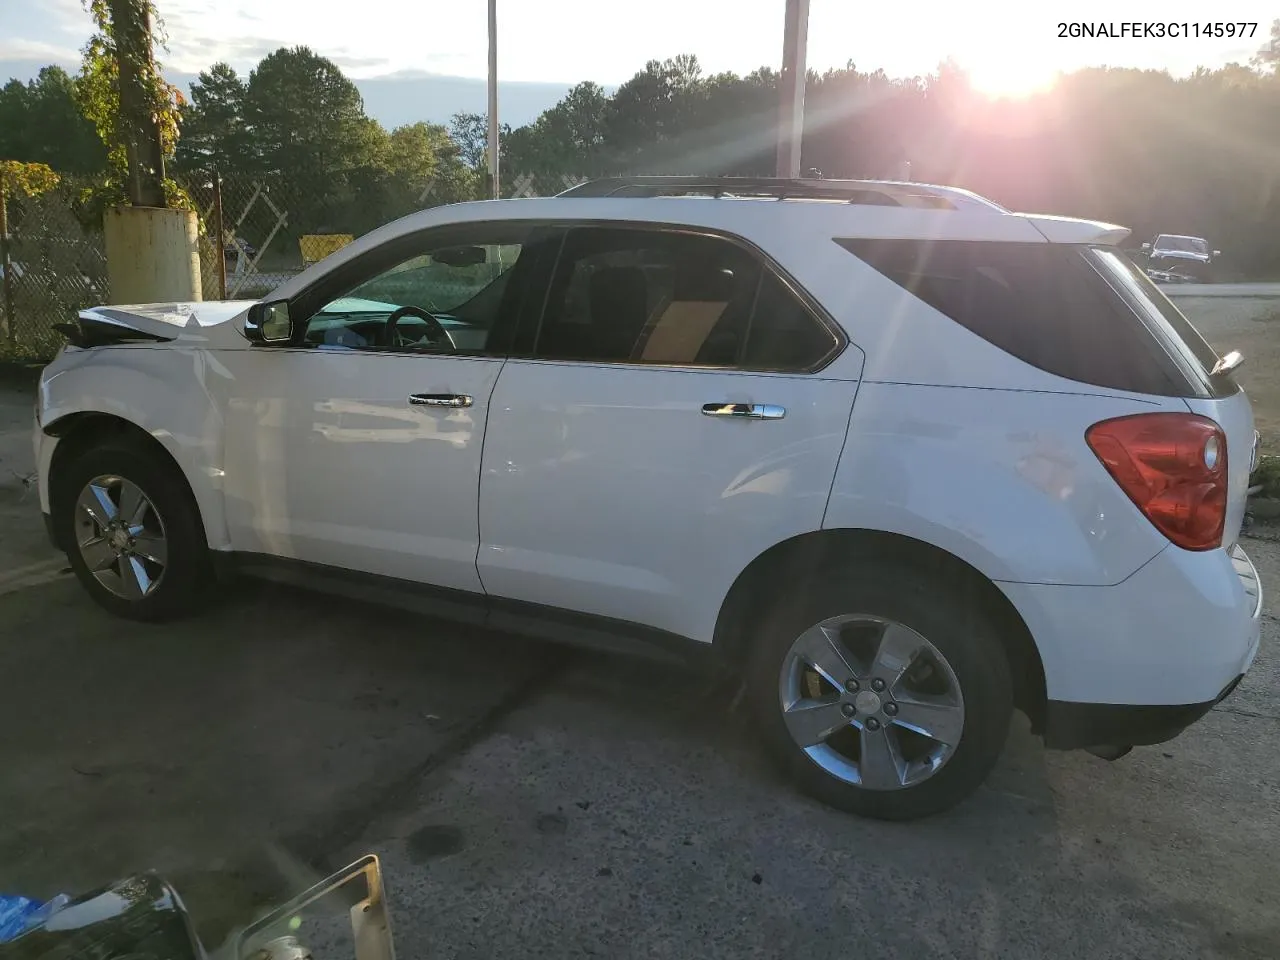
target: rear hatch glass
1059 307
1175 332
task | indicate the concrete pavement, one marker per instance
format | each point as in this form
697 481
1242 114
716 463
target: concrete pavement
625 812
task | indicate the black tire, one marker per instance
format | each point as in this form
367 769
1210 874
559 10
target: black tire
187 573
943 615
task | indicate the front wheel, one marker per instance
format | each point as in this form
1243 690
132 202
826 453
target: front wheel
132 532
882 691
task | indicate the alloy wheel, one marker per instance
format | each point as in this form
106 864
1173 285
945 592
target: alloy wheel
120 536
871 701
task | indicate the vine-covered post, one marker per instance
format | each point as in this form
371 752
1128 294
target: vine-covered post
152 238
131 30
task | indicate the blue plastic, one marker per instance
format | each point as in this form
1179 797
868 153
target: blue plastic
20 914
16 915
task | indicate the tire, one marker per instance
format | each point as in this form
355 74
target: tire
860 603
170 530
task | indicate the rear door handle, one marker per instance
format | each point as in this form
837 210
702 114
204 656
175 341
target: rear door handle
440 400
753 411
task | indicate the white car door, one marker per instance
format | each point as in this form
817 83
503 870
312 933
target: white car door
357 445
669 424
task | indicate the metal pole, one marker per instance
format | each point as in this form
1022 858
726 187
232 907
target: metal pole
222 236
494 189
7 266
791 88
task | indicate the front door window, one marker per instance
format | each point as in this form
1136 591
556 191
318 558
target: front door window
445 300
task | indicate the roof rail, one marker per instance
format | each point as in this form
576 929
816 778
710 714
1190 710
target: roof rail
871 192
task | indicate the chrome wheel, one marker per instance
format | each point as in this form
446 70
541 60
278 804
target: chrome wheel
121 537
871 702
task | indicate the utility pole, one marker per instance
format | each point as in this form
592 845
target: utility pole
131 29
494 189
795 41
222 235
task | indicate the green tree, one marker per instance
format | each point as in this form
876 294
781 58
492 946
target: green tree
311 135
569 136
651 111
1267 59
307 118
412 153
121 90
40 122
470 131
419 165
214 132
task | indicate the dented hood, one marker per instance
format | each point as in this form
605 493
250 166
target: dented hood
206 323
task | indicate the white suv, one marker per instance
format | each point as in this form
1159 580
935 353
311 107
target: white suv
902 458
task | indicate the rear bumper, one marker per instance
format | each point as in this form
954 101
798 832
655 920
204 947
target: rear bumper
1075 726
1137 662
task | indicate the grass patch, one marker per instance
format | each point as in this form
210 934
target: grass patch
1267 475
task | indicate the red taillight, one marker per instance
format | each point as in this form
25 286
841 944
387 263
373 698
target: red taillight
1174 467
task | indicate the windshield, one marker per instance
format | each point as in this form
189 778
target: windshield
440 287
1181 244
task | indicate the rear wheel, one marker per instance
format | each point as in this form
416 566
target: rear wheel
132 532
882 691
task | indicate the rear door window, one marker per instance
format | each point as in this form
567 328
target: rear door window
653 296
1044 303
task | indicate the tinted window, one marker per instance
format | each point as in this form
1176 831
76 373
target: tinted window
647 296
1169 323
1044 303
784 333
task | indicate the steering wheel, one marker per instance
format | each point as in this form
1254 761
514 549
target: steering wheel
436 332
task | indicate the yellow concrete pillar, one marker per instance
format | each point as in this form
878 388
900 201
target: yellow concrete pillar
153 255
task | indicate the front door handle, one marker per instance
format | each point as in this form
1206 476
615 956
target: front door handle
753 411
440 400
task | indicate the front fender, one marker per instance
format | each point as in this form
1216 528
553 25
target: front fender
167 392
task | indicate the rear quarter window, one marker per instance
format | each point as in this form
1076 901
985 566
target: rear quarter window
1044 303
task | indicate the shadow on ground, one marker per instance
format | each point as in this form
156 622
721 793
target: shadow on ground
230 750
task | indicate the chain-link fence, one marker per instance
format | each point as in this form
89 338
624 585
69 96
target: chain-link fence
272 228
51 265
255 233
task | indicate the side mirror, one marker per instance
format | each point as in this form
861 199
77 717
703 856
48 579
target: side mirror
1217 253
1146 246
269 323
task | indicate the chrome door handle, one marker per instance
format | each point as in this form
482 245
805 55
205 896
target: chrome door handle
440 400
754 411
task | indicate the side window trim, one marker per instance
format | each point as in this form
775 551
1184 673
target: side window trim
526 345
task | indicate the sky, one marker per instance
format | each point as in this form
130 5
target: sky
1008 49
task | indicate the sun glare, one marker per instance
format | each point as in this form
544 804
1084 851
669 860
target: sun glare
1002 76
